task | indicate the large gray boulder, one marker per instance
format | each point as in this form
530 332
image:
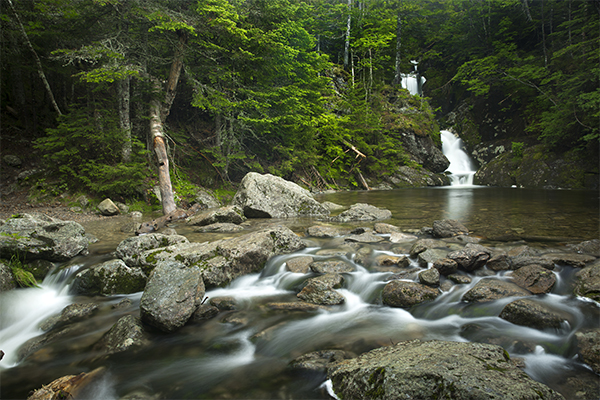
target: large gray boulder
129 250
126 334
35 236
588 347
109 278
228 214
436 370
446 228
222 261
7 279
321 290
362 212
534 278
268 196
471 257
528 312
493 289
172 294
108 208
405 294
587 282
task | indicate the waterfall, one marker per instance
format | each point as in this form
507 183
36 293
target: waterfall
461 168
413 83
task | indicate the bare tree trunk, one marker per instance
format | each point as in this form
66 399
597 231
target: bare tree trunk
526 9
348 26
174 75
544 37
160 148
40 70
124 119
397 72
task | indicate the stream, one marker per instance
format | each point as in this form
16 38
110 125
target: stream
244 353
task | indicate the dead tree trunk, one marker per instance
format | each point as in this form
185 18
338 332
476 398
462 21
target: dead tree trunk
124 116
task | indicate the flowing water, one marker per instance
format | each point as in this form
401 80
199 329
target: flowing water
461 167
244 353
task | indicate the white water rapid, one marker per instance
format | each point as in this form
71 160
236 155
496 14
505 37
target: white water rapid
461 168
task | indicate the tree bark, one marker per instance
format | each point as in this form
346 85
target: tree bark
124 116
174 74
38 63
347 44
397 72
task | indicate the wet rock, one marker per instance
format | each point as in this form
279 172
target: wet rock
460 279
129 250
523 261
399 237
499 262
435 370
172 294
573 260
588 347
204 312
224 303
108 208
534 278
222 261
362 212
384 229
34 236
319 361
332 206
587 282
126 334
7 279
295 306
223 227
321 290
404 294
161 222
430 256
591 247
430 277
322 231
12 160
392 261
109 278
331 267
228 214
70 314
445 266
527 312
80 386
364 238
493 289
206 199
421 245
448 228
268 196
299 265
472 257
39 268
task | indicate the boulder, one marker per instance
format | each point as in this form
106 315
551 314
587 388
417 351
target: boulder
362 212
125 335
472 257
222 261
399 237
70 314
268 196
109 278
299 265
12 160
204 312
591 247
588 347
320 290
527 312
499 262
219 227
404 294
523 261
331 267
366 237
300 306
129 250
493 289
321 231
387 260
39 268
571 259
534 278
445 266
228 214
35 236
430 277
435 370
319 361
587 282
385 229
423 150
430 256
421 245
206 199
448 228
108 208
7 279
172 294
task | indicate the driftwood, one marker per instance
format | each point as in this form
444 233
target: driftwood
161 222
68 387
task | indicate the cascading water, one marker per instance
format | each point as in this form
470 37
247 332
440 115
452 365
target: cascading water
461 168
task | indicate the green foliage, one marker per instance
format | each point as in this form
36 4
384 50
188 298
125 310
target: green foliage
517 149
84 153
24 278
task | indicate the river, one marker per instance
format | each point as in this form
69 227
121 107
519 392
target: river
243 354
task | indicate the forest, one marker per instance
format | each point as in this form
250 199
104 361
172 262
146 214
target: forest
109 97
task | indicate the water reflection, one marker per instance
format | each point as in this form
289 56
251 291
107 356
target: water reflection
459 203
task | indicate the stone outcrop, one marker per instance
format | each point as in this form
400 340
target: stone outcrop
436 370
268 196
129 250
493 289
109 278
222 261
172 294
424 151
35 236
362 212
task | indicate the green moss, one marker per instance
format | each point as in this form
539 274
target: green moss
375 381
